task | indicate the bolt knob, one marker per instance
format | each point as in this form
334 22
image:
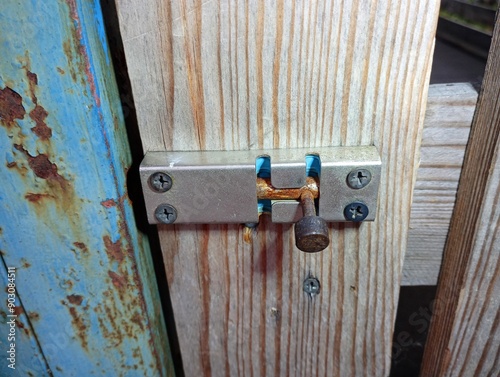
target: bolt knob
311 231
311 234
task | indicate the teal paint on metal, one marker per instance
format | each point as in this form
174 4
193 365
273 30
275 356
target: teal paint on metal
16 333
84 273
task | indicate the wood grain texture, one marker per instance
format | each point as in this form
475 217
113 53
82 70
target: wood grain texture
281 74
450 108
464 336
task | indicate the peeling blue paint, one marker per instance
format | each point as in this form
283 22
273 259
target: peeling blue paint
66 222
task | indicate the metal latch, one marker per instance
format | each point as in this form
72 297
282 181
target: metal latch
306 186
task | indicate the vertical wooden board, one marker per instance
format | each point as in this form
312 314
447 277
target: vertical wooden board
464 336
474 348
239 75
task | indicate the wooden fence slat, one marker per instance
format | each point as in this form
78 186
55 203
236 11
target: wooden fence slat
280 74
464 336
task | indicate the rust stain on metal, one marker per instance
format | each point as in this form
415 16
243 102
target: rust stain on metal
22 326
60 70
137 319
38 114
33 316
82 51
125 294
81 246
138 301
75 299
33 82
37 198
116 327
11 106
108 203
43 167
18 310
113 249
55 189
25 263
67 284
265 190
116 332
68 51
79 325
118 281
11 165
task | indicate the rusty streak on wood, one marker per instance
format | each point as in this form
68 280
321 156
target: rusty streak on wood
470 273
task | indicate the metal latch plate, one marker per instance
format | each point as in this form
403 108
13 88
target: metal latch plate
220 186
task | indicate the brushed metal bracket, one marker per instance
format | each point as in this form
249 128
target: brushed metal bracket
223 186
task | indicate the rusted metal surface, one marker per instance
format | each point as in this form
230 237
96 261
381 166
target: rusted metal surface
265 190
311 231
67 225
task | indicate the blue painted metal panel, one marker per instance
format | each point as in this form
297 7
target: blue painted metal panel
85 275
21 354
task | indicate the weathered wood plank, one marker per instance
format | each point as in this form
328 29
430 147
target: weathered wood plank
450 108
239 75
464 337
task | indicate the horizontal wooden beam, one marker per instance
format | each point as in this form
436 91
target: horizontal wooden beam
449 113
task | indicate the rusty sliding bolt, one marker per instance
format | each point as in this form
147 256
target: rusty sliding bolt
265 190
311 231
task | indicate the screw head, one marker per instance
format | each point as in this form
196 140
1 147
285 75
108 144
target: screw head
160 182
356 211
311 286
251 225
165 213
359 178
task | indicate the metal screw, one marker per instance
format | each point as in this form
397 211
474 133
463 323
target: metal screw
356 211
166 214
311 286
359 178
160 182
251 225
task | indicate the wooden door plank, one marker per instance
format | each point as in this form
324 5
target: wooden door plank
464 337
450 108
240 75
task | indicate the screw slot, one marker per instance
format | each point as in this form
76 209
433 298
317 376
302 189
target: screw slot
359 178
356 211
160 182
166 214
311 286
